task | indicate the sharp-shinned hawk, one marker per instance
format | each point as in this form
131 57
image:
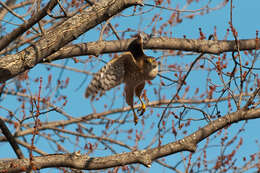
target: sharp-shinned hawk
132 68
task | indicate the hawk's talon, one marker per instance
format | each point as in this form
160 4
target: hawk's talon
142 110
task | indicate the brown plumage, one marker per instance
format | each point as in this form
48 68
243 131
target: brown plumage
132 68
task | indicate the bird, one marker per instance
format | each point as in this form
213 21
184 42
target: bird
132 68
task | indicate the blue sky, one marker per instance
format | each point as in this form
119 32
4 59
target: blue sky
245 20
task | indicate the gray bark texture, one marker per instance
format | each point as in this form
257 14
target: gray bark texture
200 46
145 157
53 40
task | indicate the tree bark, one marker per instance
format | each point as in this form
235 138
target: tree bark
145 157
53 40
200 46
7 39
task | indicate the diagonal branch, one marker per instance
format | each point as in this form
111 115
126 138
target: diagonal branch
145 157
11 139
8 3
6 40
58 37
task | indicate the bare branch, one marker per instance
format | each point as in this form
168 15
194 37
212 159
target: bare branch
72 28
53 124
6 40
145 157
200 46
11 139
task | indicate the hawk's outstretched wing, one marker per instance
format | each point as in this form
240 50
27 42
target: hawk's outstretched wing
111 75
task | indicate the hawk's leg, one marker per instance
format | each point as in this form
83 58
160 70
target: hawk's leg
129 92
142 108
135 116
138 91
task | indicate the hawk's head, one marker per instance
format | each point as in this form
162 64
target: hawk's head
150 67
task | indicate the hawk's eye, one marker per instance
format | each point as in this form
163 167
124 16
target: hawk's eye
148 60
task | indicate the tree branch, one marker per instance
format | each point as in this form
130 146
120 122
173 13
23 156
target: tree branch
58 37
200 46
145 157
6 40
11 139
63 123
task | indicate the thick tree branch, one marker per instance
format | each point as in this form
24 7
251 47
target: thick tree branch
145 157
6 40
56 38
200 46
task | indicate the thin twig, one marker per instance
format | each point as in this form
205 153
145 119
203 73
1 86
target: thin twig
251 99
242 79
114 30
107 23
63 10
11 139
11 11
180 87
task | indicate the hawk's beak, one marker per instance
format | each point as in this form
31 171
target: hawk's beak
139 2
150 60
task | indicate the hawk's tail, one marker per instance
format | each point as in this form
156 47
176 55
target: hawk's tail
108 77
93 88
